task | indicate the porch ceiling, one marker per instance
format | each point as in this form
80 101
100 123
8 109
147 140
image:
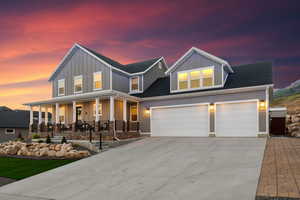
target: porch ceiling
84 97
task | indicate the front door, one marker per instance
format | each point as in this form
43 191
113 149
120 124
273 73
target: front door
78 113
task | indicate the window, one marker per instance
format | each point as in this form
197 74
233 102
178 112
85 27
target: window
207 79
77 84
62 115
9 131
97 80
183 80
193 79
134 84
99 109
61 87
133 113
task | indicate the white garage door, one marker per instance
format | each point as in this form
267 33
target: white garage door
237 119
180 121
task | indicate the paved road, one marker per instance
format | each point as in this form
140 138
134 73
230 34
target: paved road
154 168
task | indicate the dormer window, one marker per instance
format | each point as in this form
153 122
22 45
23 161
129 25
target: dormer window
195 79
78 84
134 84
97 77
61 87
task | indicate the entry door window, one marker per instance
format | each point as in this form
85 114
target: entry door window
62 114
133 113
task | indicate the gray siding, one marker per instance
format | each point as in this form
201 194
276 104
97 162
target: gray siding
145 119
120 82
7 137
81 63
194 61
153 74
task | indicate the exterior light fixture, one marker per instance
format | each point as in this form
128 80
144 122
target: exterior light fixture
262 104
147 111
211 107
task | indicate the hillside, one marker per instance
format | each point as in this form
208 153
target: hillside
290 90
292 102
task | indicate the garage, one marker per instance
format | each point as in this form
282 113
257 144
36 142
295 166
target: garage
237 119
184 121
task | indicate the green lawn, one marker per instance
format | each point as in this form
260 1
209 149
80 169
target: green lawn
19 168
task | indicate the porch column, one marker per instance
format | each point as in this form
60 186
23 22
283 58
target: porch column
56 116
40 118
125 110
112 109
112 115
56 113
97 109
30 119
74 117
46 115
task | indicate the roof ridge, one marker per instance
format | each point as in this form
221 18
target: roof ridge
156 58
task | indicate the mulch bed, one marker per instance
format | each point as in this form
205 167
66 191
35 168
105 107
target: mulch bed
280 172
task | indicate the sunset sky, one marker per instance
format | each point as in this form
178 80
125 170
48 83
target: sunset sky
35 35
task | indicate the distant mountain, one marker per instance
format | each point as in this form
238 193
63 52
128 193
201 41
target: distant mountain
292 89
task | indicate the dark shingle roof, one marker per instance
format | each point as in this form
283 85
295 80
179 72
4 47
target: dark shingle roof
14 119
139 66
243 76
130 68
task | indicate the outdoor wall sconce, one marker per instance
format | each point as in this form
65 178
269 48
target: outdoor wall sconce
211 107
147 111
262 104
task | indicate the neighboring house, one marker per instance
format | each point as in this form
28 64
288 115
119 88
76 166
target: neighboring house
14 123
199 95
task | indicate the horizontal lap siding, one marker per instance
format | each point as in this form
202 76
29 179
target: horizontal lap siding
145 120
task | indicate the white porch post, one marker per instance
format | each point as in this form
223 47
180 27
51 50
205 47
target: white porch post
97 109
74 112
137 111
125 110
112 109
46 115
57 113
40 114
31 115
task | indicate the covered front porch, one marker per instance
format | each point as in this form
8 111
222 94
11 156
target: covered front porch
113 114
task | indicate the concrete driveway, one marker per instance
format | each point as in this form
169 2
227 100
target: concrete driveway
154 168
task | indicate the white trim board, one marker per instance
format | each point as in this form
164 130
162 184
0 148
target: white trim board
201 52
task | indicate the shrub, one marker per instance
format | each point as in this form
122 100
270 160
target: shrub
48 140
36 136
20 138
40 141
63 140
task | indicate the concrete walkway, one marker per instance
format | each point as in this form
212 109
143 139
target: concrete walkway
154 168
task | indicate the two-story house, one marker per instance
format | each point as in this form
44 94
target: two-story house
199 95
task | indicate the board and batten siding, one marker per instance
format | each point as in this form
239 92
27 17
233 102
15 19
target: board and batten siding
81 63
153 74
120 81
195 61
259 94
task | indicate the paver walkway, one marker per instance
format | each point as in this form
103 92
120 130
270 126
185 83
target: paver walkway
280 173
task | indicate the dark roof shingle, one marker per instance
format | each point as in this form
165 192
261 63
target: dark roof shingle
243 76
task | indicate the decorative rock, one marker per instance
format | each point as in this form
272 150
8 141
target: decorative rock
60 154
51 153
57 147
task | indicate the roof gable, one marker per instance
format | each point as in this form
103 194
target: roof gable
202 53
129 69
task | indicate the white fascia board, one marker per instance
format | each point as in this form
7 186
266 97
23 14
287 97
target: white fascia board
83 96
201 52
207 93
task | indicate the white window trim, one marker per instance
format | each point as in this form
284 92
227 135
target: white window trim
94 111
78 77
134 91
130 116
58 94
189 79
10 133
99 72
